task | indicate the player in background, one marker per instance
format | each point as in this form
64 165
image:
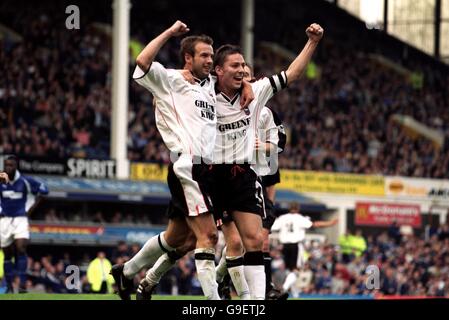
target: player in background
18 196
275 141
271 142
186 119
3 179
292 228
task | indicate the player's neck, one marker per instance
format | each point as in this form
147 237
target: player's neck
229 92
201 78
194 74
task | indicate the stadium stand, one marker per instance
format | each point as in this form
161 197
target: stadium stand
352 102
358 89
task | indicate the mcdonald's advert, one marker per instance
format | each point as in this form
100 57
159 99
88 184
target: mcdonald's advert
384 214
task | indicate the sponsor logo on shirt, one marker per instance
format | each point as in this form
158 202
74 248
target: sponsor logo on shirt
9 194
234 125
207 110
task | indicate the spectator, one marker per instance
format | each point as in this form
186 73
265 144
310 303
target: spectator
122 251
98 274
184 273
394 232
389 284
358 243
98 218
345 247
443 232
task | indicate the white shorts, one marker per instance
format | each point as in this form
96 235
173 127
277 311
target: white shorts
12 228
189 185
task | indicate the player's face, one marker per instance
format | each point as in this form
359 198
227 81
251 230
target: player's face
231 74
10 168
203 60
247 74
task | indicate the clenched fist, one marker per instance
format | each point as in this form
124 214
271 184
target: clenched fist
178 28
315 32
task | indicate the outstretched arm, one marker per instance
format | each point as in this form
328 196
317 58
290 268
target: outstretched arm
325 224
146 57
297 67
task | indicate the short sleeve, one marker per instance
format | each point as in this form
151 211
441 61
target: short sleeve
266 87
306 222
155 80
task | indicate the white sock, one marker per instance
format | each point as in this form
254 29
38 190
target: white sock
255 274
221 270
237 273
150 252
162 265
205 268
289 281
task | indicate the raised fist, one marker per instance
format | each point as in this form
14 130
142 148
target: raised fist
178 28
315 32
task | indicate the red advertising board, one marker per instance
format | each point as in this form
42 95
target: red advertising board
383 214
65 229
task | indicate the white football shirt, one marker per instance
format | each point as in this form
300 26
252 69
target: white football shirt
292 227
267 132
237 128
185 113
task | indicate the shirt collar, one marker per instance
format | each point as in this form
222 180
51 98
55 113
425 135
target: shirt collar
230 100
201 82
16 177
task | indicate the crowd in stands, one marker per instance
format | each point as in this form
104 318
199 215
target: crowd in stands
98 217
407 264
342 121
56 87
53 273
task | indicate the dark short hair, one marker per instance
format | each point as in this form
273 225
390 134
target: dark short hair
223 52
12 157
188 45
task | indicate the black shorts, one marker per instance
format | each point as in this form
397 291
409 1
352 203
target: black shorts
270 213
271 180
236 188
221 218
267 222
190 187
290 253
